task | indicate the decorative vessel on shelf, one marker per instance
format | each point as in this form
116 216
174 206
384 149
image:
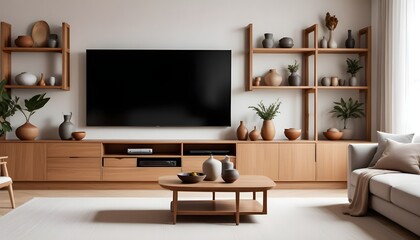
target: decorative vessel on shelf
242 131
254 134
294 78
331 23
326 81
286 42
350 42
226 163
323 43
78 135
66 128
334 81
272 78
268 41
268 130
24 41
292 133
29 131
353 66
26 79
212 168
333 135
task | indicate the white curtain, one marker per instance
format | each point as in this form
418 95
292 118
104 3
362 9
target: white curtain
398 67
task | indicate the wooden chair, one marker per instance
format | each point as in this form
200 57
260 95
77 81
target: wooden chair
6 181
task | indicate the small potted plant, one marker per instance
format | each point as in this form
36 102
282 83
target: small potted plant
294 78
8 107
346 110
353 66
268 130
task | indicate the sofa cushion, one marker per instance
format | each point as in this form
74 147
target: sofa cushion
382 139
404 157
381 185
407 196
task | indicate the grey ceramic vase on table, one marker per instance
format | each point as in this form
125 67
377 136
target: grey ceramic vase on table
66 128
230 175
212 168
226 163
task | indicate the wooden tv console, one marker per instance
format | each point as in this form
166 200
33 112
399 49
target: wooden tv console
105 164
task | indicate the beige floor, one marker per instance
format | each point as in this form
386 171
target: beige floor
22 196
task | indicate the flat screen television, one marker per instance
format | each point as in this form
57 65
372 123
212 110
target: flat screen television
135 87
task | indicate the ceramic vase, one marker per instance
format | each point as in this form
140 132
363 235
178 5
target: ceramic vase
26 79
254 134
257 81
272 78
326 81
268 130
268 42
242 131
66 128
347 134
27 131
331 42
286 42
212 168
294 79
350 42
230 175
24 41
353 81
226 163
342 82
323 43
334 81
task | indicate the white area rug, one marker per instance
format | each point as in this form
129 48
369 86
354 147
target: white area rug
150 219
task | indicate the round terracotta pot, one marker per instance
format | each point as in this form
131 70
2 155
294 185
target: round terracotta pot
27 131
268 130
24 41
254 134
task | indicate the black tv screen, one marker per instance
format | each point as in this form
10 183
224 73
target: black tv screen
135 87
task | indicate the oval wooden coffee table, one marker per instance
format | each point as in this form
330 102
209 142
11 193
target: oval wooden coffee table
236 207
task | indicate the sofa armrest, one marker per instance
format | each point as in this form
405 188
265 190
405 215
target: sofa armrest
360 155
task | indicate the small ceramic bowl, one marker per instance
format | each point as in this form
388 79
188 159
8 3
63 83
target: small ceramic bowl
292 133
188 177
78 135
333 135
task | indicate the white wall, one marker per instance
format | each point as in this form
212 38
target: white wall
181 24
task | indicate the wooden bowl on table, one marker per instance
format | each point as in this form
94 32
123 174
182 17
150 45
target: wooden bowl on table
191 177
78 135
333 135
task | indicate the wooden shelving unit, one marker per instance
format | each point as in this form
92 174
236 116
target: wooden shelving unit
310 35
7 49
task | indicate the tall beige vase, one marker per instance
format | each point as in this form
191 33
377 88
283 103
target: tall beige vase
268 130
272 78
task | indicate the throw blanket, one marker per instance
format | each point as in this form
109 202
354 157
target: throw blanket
359 206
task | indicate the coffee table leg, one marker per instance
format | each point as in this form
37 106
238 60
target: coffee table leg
174 206
254 195
237 196
265 201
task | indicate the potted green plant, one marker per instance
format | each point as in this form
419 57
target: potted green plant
346 110
353 66
268 130
10 105
7 109
294 78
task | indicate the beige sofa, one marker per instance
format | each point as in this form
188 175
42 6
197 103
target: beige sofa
396 195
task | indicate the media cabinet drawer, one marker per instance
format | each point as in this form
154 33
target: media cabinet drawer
74 149
73 169
195 163
120 162
138 173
